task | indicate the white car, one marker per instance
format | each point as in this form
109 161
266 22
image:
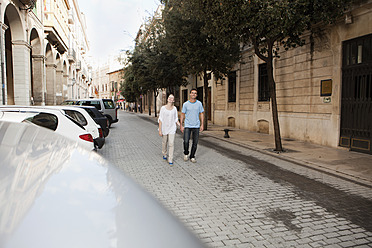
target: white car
84 119
56 194
53 119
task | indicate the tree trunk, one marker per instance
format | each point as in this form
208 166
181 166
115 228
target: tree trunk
155 95
274 106
149 100
206 89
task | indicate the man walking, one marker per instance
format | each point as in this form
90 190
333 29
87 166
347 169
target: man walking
190 113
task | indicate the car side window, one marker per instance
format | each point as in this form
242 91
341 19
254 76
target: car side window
46 120
77 116
109 104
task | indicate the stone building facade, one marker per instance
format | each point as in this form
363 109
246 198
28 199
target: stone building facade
43 52
115 79
100 82
324 88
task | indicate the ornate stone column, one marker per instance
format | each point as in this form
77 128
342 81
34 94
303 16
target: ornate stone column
50 84
22 76
38 79
59 86
65 87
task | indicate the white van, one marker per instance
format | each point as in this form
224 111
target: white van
105 106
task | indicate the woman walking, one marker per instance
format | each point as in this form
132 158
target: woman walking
168 121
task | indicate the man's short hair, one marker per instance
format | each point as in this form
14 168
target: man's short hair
195 90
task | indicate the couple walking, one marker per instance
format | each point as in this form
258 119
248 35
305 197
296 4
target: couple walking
168 121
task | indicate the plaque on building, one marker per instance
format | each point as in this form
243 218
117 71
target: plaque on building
326 87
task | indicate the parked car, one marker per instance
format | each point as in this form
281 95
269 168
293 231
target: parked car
53 119
105 106
84 119
98 117
56 194
68 102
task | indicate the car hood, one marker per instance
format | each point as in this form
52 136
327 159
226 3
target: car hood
55 194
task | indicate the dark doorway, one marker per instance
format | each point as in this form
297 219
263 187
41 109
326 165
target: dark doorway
200 94
185 96
356 99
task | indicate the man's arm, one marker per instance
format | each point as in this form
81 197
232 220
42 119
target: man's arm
181 121
202 122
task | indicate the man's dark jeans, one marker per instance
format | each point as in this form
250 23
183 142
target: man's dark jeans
186 139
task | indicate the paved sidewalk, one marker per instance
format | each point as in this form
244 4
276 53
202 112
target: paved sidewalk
341 162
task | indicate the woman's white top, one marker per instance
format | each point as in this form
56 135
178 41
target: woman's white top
168 120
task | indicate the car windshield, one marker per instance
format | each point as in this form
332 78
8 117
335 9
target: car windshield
97 113
68 102
109 104
90 112
90 103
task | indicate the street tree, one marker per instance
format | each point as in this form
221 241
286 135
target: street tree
164 71
198 51
130 88
267 25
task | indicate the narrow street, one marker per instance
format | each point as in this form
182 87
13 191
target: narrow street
236 197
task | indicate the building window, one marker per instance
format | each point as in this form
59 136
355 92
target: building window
232 86
263 84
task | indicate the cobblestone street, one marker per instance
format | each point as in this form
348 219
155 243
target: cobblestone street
236 197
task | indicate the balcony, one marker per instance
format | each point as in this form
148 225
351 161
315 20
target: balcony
71 19
83 48
78 65
71 55
84 73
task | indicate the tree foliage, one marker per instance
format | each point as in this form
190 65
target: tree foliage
129 88
152 66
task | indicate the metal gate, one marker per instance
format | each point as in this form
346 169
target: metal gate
356 100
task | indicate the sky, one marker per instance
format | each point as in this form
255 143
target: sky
112 25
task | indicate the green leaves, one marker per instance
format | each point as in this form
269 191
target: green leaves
190 40
151 65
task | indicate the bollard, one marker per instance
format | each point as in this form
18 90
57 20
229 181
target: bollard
226 133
